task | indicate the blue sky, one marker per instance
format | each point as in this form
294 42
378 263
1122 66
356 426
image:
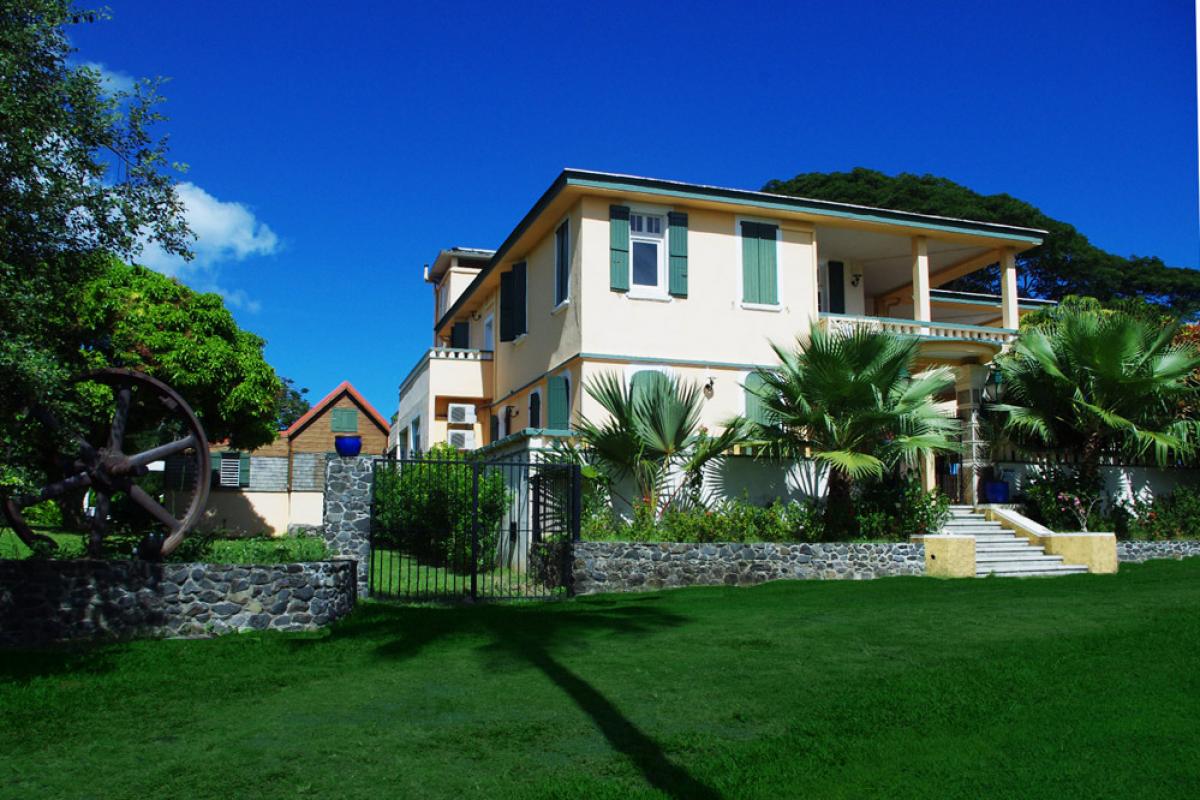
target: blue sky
334 151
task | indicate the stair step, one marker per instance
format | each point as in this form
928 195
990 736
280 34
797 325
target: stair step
998 538
1028 565
1066 569
1016 557
1007 547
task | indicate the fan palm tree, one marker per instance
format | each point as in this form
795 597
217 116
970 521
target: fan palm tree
1100 382
652 434
850 401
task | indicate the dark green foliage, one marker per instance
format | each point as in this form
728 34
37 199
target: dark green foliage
899 688
1058 496
1173 516
425 509
897 508
208 546
1065 264
291 404
729 521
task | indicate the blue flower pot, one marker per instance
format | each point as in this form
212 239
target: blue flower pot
996 491
347 446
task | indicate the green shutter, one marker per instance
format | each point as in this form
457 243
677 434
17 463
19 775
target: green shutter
243 470
535 410
755 409
750 271
768 288
677 231
618 243
460 335
558 403
520 326
214 461
506 307
343 420
837 287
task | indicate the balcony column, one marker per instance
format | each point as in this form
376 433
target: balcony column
1010 317
922 309
968 387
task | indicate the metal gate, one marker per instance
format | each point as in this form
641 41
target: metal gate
472 530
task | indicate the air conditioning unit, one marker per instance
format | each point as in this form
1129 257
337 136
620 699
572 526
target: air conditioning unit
463 440
461 414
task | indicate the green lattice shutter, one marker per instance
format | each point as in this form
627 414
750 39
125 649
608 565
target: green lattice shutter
756 411
677 231
520 323
506 307
343 420
768 269
618 244
750 268
837 287
558 403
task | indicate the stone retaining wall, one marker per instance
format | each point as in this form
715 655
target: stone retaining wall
632 567
44 601
1135 552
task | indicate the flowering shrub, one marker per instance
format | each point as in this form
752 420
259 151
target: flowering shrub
1063 500
1173 516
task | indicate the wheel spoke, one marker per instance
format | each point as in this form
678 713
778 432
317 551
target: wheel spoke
153 507
60 488
162 451
116 434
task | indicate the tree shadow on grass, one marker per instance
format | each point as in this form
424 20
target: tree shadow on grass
531 635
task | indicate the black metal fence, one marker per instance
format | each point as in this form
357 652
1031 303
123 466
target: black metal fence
472 530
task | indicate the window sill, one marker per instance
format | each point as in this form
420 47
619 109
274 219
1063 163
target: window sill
653 298
517 341
561 307
776 308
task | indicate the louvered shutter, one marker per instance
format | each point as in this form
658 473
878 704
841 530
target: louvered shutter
506 307
750 269
519 299
755 410
244 470
677 231
558 403
768 289
460 335
618 244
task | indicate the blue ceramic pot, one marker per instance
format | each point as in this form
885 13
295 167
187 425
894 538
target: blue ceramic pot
347 446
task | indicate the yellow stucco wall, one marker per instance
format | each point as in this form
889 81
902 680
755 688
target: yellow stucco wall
948 556
1096 551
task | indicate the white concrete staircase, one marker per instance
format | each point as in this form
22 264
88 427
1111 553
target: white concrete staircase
999 551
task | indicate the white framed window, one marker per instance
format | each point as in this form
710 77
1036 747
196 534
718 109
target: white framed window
489 332
562 263
647 255
231 470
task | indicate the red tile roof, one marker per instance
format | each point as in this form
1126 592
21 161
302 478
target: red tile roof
342 388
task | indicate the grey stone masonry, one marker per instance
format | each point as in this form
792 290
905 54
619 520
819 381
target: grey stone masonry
45 601
1135 552
632 567
268 474
347 518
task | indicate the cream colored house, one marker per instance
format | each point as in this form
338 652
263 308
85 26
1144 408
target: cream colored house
617 272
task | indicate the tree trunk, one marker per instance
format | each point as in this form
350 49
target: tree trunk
839 515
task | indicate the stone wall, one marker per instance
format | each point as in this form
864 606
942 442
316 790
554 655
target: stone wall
44 601
631 567
347 517
1135 552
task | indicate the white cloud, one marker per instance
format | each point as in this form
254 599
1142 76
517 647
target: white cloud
225 231
113 80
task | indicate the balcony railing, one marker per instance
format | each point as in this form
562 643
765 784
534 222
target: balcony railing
937 331
460 354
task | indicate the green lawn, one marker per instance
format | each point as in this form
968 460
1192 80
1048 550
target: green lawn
1085 686
399 576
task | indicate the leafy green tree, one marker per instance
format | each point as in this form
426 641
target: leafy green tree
653 435
290 404
83 174
1065 264
849 401
1099 383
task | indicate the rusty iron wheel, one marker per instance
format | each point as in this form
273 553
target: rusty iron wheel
150 418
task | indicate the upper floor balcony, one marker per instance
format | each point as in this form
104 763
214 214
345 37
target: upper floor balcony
450 372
